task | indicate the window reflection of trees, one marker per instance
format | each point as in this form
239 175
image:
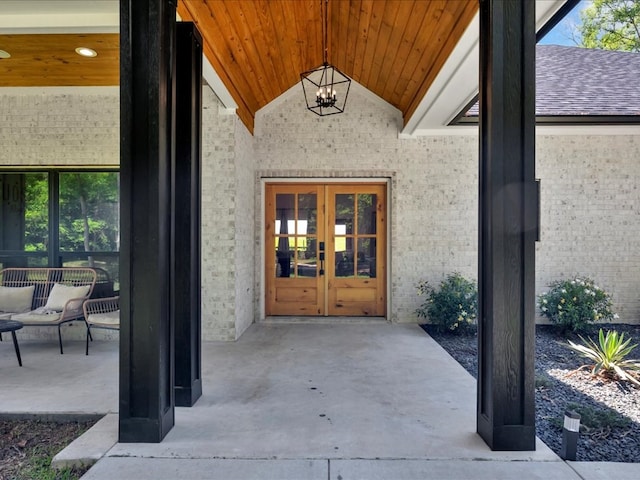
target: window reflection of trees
60 218
296 235
355 252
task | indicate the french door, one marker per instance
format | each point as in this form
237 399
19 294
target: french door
325 249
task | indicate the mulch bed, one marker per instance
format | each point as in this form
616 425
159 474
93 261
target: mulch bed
610 409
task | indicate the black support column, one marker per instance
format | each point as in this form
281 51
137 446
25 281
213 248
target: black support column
186 214
508 225
147 45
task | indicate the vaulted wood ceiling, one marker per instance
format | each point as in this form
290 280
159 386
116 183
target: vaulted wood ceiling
394 48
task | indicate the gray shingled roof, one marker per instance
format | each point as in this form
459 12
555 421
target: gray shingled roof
581 81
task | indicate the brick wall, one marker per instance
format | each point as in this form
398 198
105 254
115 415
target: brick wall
590 217
245 245
60 126
228 237
218 221
433 183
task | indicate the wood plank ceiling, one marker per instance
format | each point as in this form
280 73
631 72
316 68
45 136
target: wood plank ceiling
394 48
50 60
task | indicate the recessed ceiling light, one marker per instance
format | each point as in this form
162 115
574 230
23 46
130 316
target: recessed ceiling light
86 52
4 54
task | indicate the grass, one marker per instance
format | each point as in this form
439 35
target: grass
38 467
28 446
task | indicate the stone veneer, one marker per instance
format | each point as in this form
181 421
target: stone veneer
590 199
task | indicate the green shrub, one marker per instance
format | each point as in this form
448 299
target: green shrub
610 356
575 303
451 308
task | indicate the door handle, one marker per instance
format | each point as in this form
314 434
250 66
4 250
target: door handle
321 262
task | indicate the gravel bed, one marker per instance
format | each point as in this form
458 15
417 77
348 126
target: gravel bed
610 410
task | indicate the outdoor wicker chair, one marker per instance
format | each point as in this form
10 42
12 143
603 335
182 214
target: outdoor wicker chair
101 313
52 296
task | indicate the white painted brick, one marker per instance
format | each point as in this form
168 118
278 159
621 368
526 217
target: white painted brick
590 199
590 218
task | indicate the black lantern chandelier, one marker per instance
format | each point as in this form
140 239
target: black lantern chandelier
325 88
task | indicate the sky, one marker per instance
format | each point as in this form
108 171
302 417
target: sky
560 34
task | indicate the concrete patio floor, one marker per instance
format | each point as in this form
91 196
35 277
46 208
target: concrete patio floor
291 401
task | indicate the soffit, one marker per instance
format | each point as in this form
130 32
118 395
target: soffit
50 60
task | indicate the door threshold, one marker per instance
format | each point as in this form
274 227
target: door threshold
324 320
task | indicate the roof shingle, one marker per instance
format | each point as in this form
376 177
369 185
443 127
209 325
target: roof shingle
581 81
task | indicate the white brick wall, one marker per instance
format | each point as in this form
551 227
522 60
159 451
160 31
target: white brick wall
590 198
245 246
218 221
228 237
433 189
59 126
590 217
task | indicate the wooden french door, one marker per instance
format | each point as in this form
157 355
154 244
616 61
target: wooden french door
325 249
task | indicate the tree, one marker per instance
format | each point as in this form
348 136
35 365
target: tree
36 212
88 204
611 25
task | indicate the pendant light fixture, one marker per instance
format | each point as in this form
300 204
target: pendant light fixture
325 88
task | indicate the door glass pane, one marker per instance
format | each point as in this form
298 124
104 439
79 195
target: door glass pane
283 256
285 225
366 257
307 214
285 213
310 250
344 257
305 259
345 212
367 213
24 217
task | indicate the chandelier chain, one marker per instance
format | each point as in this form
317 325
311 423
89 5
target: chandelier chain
325 28
328 87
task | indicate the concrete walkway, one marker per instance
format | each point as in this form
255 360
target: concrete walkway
343 402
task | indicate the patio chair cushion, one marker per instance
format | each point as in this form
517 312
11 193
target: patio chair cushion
40 316
16 299
60 294
107 319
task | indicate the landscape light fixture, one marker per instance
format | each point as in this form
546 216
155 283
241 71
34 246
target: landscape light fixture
570 433
325 88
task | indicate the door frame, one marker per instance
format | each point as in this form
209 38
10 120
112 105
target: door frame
260 221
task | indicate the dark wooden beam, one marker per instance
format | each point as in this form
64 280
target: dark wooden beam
508 219
186 215
147 44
